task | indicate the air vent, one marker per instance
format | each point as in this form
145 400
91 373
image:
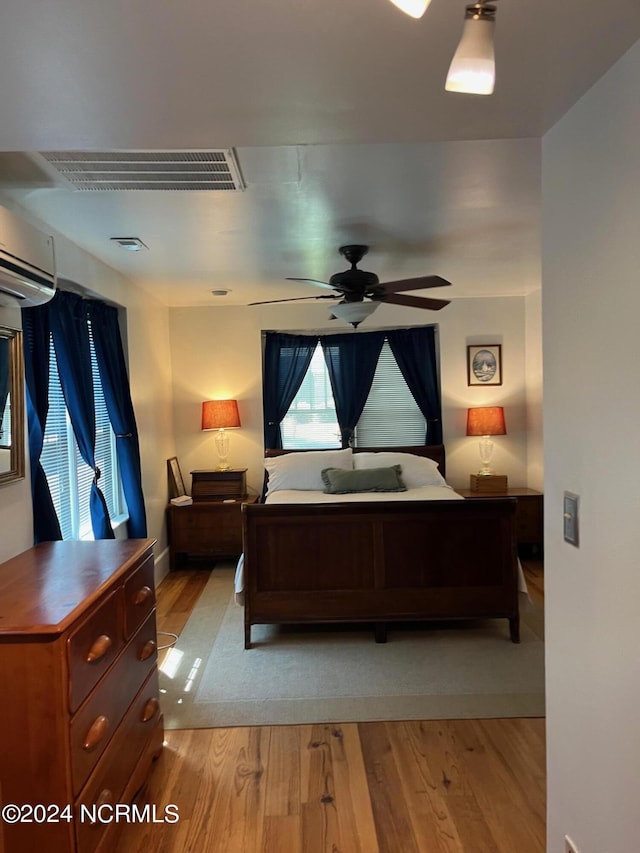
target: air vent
148 170
131 244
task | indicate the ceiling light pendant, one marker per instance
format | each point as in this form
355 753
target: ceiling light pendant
473 68
415 8
354 312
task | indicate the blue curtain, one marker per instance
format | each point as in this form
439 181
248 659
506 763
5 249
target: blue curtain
286 361
35 336
71 342
115 385
351 362
415 353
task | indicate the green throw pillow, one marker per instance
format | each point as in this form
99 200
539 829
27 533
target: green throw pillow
340 481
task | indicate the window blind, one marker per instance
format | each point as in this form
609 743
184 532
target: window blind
67 473
5 424
311 419
390 416
58 458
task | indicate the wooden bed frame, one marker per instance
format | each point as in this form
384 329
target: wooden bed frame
381 562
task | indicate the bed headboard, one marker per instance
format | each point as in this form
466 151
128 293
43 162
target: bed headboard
431 451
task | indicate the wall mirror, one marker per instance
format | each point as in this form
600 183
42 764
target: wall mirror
11 406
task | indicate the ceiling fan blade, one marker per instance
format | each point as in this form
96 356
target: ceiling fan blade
415 301
421 283
296 299
313 281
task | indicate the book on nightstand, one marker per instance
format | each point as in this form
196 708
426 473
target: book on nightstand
182 500
488 483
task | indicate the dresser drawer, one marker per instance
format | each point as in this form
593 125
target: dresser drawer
139 597
218 485
92 647
95 722
214 529
109 779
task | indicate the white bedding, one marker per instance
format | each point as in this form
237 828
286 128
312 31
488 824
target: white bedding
298 496
424 493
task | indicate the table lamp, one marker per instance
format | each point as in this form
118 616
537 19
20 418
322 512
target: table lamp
486 421
221 415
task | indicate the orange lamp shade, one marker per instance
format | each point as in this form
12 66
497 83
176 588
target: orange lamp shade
486 420
220 414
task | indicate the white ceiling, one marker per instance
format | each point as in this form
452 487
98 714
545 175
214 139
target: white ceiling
340 122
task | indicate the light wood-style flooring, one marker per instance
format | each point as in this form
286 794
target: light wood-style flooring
461 786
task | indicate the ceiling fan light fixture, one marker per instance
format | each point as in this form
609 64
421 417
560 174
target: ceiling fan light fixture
354 312
415 8
473 68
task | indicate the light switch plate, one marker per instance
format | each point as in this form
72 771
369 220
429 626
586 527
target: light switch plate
570 516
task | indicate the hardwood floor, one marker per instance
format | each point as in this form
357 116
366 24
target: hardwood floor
534 575
460 786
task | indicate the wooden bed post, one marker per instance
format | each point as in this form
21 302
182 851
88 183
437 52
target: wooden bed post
514 629
380 632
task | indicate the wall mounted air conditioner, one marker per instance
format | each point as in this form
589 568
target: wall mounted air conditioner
27 261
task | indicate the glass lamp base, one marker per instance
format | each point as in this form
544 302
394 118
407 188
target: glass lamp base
485 447
222 446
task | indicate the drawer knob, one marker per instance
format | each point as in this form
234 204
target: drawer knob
104 798
96 733
99 648
147 650
142 595
150 710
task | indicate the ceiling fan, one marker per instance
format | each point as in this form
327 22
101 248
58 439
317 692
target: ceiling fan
353 286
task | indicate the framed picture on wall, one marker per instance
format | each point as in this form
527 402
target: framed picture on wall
176 483
484 364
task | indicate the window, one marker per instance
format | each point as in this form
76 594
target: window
390 416
68 475
5 424
6 360
311 419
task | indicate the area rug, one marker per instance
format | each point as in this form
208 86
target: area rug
319 674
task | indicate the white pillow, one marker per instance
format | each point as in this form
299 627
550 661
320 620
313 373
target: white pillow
417 471
304 470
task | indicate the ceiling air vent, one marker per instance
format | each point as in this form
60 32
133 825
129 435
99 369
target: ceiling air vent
148 170
131 244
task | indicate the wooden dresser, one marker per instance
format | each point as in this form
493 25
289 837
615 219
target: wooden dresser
80 720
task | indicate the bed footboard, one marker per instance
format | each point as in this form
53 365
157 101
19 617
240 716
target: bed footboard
380 563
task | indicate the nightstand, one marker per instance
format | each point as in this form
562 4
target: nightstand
205 529
219 485
529 512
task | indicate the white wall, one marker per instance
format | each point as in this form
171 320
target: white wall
591 311
216 352
150 378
